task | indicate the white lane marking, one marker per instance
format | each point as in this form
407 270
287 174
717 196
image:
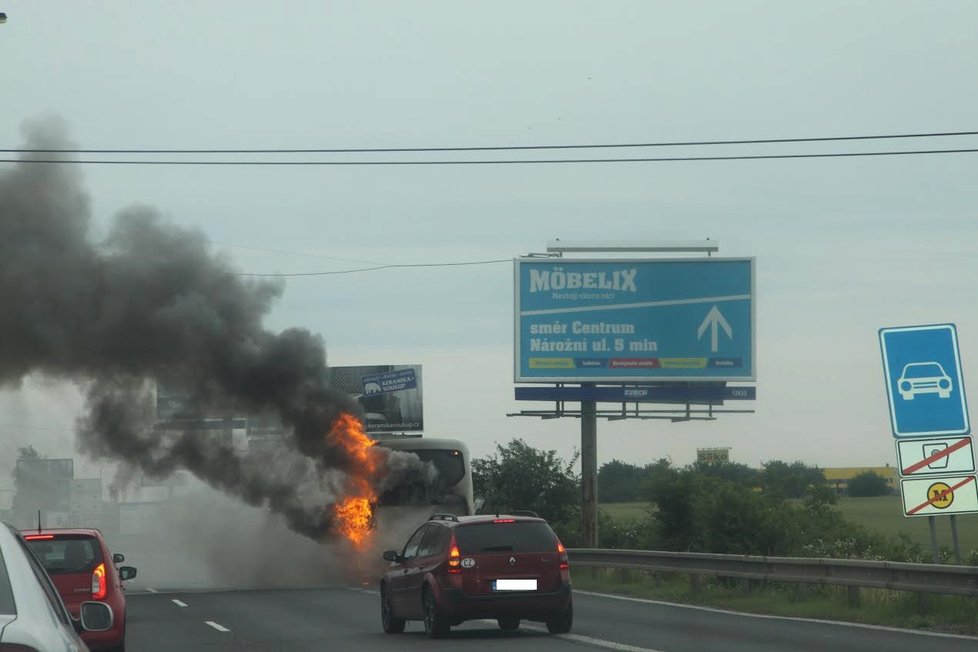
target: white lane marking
220 628
586 640
882 628
152 590
179 603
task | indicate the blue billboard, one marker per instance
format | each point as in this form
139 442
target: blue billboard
924 385
632 320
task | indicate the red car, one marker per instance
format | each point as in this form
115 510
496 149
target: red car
458 568
82 569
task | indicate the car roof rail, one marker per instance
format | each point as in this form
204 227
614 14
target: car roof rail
443 517
524 512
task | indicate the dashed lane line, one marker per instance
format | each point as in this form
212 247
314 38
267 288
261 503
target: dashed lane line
179 603
220 628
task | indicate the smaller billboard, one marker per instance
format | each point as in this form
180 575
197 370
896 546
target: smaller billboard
391 395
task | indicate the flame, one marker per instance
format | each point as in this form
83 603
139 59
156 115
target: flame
354 514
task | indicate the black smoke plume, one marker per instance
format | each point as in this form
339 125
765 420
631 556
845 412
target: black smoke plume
150 301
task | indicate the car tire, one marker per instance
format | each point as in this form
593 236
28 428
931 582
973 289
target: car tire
390 624
508 624
561 622
435 624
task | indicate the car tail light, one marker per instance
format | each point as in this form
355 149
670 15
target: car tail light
38 537
564 561
454 557
504 520
99 588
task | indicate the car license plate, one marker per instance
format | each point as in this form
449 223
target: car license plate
514 585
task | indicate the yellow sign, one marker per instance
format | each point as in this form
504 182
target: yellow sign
940 495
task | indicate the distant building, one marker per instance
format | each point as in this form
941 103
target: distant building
838 478
713 455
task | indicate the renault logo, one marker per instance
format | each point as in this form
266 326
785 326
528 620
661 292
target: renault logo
512 561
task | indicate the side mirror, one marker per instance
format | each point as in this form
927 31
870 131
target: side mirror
96 616
392 555
126 573
118 558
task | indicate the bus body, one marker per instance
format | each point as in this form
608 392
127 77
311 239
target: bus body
452 492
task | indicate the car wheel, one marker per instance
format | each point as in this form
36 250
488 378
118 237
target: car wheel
562 621
435 625
391 624
508 624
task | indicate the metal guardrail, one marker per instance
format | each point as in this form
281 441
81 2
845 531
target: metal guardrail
855 573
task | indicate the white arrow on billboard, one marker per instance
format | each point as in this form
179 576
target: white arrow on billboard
714 320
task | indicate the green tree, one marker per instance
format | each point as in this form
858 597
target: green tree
868 483
672 492
790 480
519 476
619 482
731 471
732 519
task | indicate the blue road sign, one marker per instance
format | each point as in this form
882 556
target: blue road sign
634 320
924 385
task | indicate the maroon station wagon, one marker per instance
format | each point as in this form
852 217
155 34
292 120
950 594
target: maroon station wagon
458 568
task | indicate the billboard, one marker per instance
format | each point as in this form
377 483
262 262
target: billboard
634 320
390 394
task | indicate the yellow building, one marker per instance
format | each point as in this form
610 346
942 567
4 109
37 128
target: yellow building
838 478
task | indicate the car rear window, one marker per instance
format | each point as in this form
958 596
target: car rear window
521 536
67 553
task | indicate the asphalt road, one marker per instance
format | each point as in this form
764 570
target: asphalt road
348 618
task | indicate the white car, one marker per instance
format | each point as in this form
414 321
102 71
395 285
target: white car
924 378
32 615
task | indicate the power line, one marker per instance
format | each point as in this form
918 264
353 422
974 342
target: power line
372 269
293 253
364 150
666 159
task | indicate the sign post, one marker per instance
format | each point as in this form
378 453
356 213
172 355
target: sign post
929 420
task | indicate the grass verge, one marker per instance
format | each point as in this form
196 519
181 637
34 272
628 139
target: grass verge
949 614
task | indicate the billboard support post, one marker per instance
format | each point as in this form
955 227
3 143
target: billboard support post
589 472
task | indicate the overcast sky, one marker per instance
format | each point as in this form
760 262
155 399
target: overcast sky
843 246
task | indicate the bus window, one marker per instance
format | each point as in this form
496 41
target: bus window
452 489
